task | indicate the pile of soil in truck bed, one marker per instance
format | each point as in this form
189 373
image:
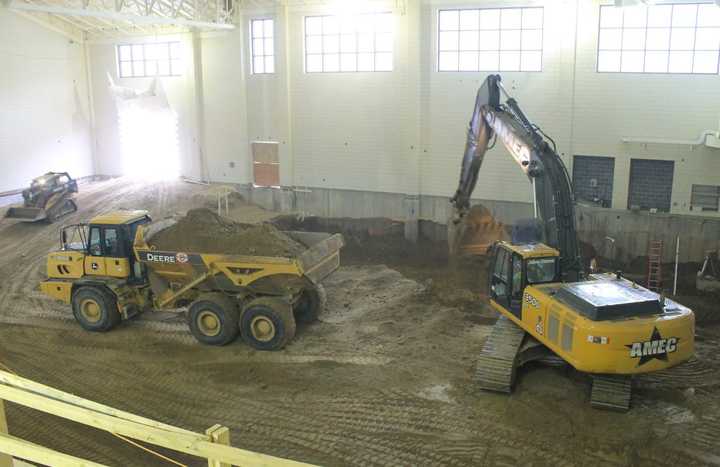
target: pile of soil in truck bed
203 231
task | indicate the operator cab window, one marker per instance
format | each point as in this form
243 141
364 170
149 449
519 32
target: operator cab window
95 245
113 248
501 273
541 270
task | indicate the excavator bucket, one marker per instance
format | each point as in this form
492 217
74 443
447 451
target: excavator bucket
475 232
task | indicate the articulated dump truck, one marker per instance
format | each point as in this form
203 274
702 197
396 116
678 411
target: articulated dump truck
108 271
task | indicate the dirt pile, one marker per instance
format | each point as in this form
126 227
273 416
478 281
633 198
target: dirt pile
203 231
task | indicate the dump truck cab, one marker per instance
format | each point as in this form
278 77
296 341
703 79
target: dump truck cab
107 242
95 270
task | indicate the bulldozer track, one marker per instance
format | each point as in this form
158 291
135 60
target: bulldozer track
497 364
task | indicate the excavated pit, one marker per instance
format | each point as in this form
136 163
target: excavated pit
203 231
384 378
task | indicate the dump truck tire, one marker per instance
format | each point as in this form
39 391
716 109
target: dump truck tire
95 309
213 319
267 323
311 304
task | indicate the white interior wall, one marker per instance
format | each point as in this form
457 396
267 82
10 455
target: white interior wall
609 106
404 131
181 94
226 146
44 121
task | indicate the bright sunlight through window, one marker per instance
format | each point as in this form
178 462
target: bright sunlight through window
361 42
148 130
148 60
677 38
498 39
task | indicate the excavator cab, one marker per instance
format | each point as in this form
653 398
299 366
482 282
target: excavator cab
515 266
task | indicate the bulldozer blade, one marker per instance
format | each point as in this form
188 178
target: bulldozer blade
26 214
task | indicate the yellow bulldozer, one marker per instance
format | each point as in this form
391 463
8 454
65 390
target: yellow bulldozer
48 198
107 271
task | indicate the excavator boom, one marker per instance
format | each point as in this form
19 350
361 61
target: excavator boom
537 158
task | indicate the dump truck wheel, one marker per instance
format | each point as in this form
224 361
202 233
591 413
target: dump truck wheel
213 319
311 304
267 323
95 309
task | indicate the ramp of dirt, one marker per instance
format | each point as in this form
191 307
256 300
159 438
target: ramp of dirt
203 231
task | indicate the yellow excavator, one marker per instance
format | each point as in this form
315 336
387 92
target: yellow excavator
601 324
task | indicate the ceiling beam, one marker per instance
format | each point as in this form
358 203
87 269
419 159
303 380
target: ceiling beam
73 35
112 15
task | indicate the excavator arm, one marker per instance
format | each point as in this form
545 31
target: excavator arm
538 159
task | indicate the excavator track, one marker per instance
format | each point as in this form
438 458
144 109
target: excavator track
611 392
498 361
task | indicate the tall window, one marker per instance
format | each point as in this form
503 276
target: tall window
497 39
361 42
144 60
263 47
668 38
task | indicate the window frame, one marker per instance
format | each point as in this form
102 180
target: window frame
645 49
356 53
168 45
705 208
499 50
264 55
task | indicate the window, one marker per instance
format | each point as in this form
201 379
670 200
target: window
593 179
498 39
95 247
146 60
541 270
705 197
361 42
112 243
263 47
651 184
667 38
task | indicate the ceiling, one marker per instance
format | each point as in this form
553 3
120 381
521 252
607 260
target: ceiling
97 19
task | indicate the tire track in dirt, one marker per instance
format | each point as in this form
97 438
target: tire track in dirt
342 393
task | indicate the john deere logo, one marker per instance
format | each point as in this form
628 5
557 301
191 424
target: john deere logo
656 347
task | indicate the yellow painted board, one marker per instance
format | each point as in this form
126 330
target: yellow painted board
35 453
5 460
194 444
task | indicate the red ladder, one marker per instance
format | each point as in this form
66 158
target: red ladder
654 276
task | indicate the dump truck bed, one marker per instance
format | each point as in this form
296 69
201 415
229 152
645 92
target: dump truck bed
173 273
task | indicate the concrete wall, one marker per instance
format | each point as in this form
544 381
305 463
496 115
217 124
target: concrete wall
44 119
631 233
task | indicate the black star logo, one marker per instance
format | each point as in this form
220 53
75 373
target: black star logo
660 356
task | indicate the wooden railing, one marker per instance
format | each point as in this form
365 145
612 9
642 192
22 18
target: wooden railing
213 445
